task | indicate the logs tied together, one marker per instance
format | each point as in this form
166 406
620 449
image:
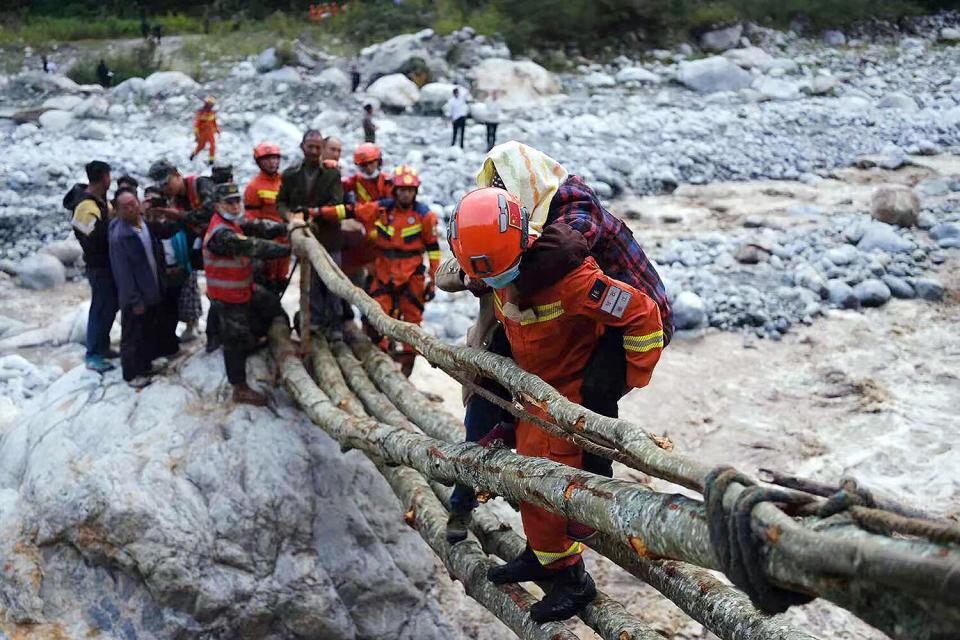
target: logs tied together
907 586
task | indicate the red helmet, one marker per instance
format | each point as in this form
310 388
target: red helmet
265 149
367 152
405 176
489 232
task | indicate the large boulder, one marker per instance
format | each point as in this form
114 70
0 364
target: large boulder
63 103
39 82
92 107
434 96
518 82
268 60
721 39
56 120
289 75
173 513
395 92
631 76
168 83
883 237
93 130
750 58
777 89
897 100
872 293
130 89
689 311
333 79
68 252
41 271
276 129
895 205
950 34
403 54
713 74
841 295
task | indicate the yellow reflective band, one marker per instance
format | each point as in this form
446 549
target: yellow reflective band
385 229
545 313
341 212
266 194
433 255
548 557
362 194
411 231
641 344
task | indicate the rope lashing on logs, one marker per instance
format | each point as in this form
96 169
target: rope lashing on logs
895 572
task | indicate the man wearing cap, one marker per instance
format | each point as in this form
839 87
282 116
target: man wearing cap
194 197
205 129
245 311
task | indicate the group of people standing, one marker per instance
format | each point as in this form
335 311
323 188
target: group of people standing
563 289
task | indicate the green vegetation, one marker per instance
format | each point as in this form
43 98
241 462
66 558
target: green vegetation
140 62
525 24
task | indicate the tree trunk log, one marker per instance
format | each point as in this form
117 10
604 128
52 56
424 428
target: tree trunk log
915 580
465 561
305 276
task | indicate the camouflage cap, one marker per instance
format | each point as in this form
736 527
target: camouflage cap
161 170
227 191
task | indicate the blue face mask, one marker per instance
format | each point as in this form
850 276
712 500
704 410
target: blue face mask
504 279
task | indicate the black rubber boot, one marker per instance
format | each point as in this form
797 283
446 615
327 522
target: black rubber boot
524 568
457 525
572 590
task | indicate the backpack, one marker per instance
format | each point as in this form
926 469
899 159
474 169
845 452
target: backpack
76 195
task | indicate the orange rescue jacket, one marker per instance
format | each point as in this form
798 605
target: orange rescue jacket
229 278
401 237
260 197
553 333
205 123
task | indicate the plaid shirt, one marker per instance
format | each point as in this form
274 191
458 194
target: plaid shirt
611 243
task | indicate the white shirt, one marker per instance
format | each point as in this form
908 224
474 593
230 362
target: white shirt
457 107
492 107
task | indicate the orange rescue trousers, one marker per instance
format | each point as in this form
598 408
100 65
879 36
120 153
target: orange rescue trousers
547 532
403 302
203 140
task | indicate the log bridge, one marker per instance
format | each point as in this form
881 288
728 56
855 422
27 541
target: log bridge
783 543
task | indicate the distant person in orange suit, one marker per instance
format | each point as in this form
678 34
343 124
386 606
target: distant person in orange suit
205 129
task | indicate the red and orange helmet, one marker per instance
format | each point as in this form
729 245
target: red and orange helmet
489 232
265 149
367 152
405 176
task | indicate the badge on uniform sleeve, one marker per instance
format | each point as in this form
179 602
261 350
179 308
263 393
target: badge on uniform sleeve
596 291
411 220
616 301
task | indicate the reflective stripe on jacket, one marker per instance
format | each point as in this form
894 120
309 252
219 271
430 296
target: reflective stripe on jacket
229 278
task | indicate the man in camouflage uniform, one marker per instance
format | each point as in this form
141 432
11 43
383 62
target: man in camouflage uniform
245 310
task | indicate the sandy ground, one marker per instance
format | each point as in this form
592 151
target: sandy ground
873 394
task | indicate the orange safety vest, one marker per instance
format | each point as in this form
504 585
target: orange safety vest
401 237
229 278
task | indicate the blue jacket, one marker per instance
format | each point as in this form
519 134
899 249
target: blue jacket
136 285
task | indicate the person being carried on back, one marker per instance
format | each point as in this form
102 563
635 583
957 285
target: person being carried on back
553 330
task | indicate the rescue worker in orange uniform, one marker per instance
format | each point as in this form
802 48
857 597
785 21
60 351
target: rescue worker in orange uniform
260 202
404 230
552 333
245 310
369 183
205 129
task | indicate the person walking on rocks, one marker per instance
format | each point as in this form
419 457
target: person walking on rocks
205 130
458 111
552 329
369 183
90 222
492 120
369 127
260 202
137 258
246 310
305 187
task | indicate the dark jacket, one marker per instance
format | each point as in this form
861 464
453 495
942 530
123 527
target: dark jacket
136 285
92 235
608 239
297 192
